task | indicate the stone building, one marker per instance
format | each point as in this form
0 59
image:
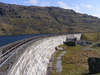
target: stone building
72 39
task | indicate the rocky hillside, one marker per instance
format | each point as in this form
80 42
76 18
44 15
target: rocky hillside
17 19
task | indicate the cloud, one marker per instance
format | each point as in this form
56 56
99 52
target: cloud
88 6
96 12
66 6
82 8
32 2
97 15
63 5
91 9
76 8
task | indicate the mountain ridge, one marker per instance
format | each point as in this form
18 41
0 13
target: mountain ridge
19 19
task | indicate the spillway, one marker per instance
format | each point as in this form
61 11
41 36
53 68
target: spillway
35 59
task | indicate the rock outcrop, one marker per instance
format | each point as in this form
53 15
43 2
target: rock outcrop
94 65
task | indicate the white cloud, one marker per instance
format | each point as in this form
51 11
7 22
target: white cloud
82 8
76 8
32 2
92 10
63 5
88 6
97 15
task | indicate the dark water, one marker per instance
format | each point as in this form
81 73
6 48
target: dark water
4 40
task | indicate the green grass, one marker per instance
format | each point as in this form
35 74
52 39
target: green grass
71 62
75 62
96 48
94 37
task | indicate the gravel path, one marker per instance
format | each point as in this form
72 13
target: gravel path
59 62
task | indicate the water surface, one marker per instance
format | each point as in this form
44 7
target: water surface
4 40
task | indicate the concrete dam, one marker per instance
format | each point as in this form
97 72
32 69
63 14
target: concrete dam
32 58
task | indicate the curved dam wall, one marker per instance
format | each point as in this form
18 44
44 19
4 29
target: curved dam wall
35 59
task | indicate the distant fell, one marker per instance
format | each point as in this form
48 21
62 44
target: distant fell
18 19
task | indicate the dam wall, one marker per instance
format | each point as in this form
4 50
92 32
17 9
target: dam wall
77 36
35 59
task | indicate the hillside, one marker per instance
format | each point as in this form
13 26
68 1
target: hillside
17 19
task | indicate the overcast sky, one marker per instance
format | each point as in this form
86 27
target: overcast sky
91 7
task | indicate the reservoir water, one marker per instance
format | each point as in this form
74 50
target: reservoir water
4 40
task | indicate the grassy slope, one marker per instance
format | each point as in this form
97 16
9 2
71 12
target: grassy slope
93 37
75 61
32 19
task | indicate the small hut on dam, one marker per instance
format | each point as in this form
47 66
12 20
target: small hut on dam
72 39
